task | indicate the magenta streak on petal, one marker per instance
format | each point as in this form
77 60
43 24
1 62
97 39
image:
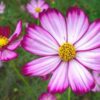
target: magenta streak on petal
97 47
81 63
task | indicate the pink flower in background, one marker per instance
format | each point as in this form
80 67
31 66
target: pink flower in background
97 81
47 96
69 49
2 7
36 6
9 44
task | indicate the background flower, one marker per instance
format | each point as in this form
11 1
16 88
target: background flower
36 6
9 44
2 7
47 96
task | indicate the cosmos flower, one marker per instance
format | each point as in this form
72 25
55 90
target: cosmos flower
2 7
69 49
97 81
47 96
9 44
36 6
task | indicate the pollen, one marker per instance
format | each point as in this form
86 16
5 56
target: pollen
38 9
3 41
67 52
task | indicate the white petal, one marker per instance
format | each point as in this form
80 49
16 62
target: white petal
77 24
54 22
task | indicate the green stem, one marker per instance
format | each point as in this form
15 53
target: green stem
69 94
38 22
12 64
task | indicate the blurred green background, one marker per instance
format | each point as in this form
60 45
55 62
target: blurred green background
14 86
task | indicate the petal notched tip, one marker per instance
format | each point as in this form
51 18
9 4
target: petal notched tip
54 91
75 9
48 11
84 91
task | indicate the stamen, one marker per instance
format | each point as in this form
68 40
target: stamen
67 52
38 9
3 41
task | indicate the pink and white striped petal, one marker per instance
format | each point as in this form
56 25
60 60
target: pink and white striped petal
91 39
37 3
45 6
31 10
14 45
59 81
7 55
80 80
16 32
41 66
40 42
77 24
90 59
33 2
40 3
54 22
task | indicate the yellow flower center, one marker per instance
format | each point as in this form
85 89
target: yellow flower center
3 41
67 52
38 9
